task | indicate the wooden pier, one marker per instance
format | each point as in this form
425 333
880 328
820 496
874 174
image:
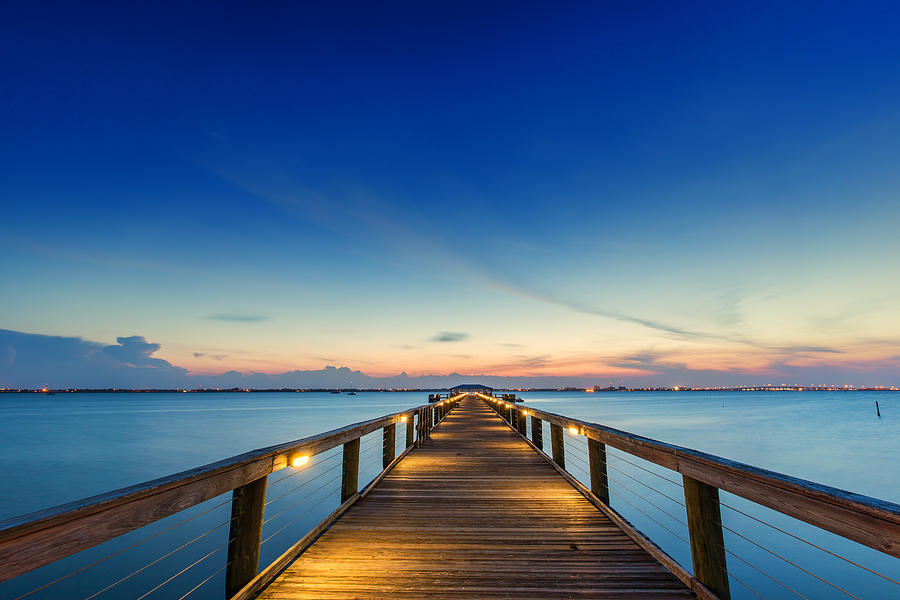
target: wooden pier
474 513
467 504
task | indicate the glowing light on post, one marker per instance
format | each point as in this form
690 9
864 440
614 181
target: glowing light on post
573 430
299 461
403 419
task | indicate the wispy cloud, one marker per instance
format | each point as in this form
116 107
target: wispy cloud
450 336
237 318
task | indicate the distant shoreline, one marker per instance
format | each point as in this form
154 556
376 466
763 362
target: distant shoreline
762 388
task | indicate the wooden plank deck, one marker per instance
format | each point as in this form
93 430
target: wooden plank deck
474 513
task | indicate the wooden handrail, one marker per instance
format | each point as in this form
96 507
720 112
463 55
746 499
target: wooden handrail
869 521
33 540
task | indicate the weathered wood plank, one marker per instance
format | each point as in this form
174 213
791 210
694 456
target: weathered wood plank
474 513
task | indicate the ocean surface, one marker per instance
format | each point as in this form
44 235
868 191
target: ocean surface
55 449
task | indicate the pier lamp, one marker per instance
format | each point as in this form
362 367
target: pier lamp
299 461
403 419
524 413
574 431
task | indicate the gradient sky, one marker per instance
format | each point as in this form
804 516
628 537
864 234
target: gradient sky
613 191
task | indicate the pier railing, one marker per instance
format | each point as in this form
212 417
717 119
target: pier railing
868 521
49 536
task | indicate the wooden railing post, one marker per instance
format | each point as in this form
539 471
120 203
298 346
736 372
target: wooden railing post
389 445
420 426
599 474
247 508
522 422
350 470
559 449
707 542
537 432
410 428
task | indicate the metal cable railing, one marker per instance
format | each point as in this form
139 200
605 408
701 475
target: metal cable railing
121 551
150 564
186 569
809 543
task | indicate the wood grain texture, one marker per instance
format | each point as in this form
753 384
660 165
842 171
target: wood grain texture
389 445
557 446
350 470
537 432
599 473
248 503
474 512
410 430
707 541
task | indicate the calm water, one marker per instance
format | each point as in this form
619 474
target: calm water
54 449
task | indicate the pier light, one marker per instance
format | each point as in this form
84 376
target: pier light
299 461
524 413
403 419
574 430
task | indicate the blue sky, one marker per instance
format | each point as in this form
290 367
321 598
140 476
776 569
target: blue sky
654 193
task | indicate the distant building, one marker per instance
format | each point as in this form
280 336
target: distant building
472 388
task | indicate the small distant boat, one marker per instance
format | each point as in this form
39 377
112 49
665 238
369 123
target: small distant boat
335 391
351 393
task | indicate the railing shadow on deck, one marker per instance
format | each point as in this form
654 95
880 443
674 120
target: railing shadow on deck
211 526
720 512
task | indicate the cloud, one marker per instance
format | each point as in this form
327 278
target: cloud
35 360
525 362
450 336
236 318
135 351
814 349
198 354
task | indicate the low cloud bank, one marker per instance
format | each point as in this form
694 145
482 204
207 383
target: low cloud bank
30 360
33 360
